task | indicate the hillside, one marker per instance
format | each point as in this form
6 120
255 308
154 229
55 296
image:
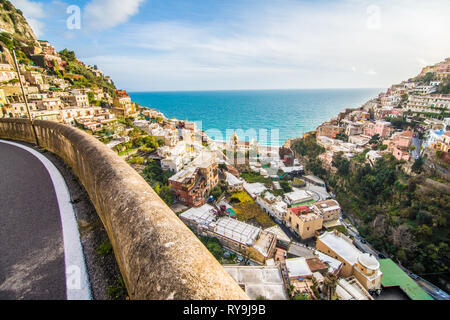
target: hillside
13 22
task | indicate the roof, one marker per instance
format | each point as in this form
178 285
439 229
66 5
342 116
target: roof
342 247
299 250
281 235
299 210
259 281
298 268
298 196
333 264
369 261
254 188
394 276
232 180
237 230
314 178
202 215
315 264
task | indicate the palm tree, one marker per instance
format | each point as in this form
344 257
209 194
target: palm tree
329 284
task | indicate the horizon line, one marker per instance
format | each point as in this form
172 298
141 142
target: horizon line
229 90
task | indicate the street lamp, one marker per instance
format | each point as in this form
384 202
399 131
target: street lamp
24 96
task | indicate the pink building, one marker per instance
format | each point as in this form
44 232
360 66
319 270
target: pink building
382 128
399 145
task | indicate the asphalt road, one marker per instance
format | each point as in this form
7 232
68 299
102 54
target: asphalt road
31 246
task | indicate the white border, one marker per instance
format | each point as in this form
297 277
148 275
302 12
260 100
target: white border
77 280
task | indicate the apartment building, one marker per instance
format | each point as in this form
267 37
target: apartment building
364 267
304 221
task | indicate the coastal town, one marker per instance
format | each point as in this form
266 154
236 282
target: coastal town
268 214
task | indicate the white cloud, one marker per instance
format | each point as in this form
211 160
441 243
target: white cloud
285 46
33 12
105 14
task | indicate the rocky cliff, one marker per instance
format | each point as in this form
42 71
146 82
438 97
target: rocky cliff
13 22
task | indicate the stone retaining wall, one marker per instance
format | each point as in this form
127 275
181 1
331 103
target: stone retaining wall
159 257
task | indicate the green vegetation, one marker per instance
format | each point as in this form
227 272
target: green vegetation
218 190
253 177
214 246
398 214
158 180
341 229
88 78
341 164
118 290
105 248
309 150
285 186
248 210
444 87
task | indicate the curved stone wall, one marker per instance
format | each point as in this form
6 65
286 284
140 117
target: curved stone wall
159 257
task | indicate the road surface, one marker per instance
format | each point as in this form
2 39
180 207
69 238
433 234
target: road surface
33 232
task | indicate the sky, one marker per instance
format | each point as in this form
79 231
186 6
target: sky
170 45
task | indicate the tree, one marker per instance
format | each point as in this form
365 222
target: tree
330 283
375 139
286 187
341 163
417 167
428 77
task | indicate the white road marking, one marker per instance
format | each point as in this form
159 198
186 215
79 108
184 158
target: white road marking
77 280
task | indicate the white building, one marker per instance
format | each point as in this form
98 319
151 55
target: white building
297 196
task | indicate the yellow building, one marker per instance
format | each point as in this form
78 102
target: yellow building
303 221
443 142
123 107
363 266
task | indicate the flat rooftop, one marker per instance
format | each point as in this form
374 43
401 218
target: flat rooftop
298 268
265 281
202 215
281 235
342 247
299 250
394 276
237 230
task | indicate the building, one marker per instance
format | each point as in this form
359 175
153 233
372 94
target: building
363 266
234 184
298 196
443 142
328 130
330 210
76 100
7 73
259 281
283 239
314 180
122 106
254 189
372 156
239 237
399 145
303 221
394 276
193 184
298 268
274 207
33 77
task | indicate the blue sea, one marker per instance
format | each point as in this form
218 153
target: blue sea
269 116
